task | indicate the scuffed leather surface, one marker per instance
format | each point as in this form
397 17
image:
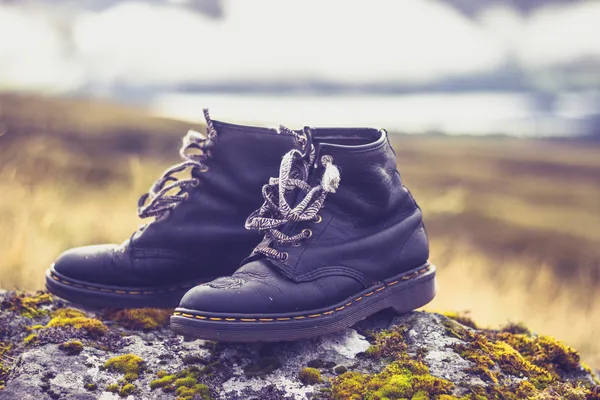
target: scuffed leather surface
203 237
372 229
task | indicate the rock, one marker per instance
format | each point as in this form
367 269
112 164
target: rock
418 354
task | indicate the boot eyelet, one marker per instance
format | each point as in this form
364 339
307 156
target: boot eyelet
296 245
195 182
186 196
284 256
307 233
204 168
319 219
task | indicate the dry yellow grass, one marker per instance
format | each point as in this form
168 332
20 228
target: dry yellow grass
515 225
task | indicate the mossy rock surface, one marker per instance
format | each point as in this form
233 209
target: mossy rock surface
78 354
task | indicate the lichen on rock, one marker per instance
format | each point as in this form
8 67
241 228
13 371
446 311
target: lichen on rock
73 353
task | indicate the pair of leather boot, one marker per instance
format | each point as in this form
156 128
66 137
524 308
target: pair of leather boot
342 238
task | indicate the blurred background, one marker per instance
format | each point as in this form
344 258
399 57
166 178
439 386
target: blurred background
493 106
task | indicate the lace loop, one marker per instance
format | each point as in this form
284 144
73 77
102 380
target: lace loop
276 211
195 151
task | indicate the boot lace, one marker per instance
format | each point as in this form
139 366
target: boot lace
276 211
195 152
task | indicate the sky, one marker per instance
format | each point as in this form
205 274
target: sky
60 46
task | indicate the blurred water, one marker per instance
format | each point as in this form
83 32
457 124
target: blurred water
480 113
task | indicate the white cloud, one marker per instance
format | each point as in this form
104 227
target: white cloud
553 35
32 53
143 43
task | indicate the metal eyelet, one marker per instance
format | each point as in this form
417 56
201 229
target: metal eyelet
186 196
319 219
204 168
296 245
284 256
307 233
195 182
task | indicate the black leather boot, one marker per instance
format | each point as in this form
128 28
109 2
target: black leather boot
198 229
344 239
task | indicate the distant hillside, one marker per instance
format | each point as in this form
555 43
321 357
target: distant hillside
101 128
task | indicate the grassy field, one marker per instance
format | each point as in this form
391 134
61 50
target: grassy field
514 224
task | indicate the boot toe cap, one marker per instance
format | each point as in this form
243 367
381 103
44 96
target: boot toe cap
223 295
83 263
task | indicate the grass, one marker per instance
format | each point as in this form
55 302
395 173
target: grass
514 224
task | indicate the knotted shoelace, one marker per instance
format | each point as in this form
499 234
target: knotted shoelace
276 211
195 152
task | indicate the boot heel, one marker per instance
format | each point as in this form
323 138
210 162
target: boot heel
410 297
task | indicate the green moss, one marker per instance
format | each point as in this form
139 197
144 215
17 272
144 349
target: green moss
90 386
400 379
188 381
389 343
31 339
126 364
113 388
461 318
143 318
197 391
131 376
30 306
67 313
184 383
71 347
127 389
487 354
309 376
420 395
35 327
541 363
162 374
68 317
5 347
545 352
162 381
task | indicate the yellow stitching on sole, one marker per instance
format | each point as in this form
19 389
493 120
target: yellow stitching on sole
266 319
187 315
314 315
229 319
328 313
369 294
358 299
283 319
200 317
248 319
176 313
392 283
380 289
340 308
299 317
135 292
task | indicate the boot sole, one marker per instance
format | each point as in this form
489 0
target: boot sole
403 293
96 295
